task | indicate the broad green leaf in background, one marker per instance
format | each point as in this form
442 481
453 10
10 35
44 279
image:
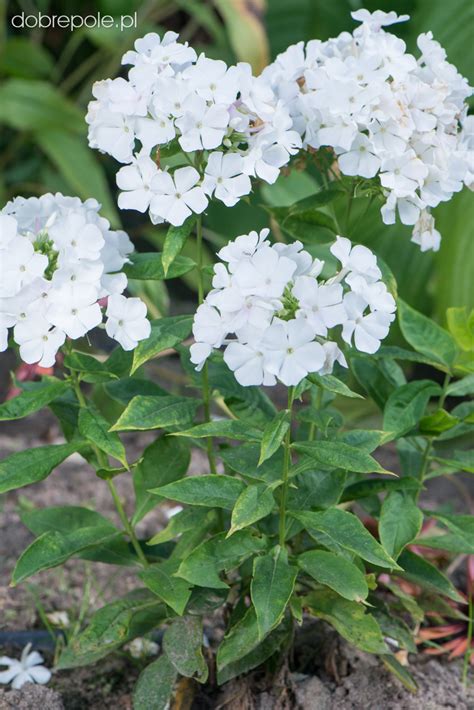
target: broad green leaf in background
244 23
400 522
273 580
426 337
335 572
163 461
461 388
149 266
203 565
95 428
273 435
153 412
210 491
165 333
418 570
112 626
373 486
53 548
22 58
461 327
231 428
25 467
37 396
347 530
339 455
155 684
172 590
29 105
175 240
406 406
254 503
182 643
349 618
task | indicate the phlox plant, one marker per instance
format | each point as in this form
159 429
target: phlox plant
293 514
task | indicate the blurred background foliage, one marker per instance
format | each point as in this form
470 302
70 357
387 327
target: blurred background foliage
45 84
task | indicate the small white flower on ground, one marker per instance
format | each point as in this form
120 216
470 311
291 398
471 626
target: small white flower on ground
27 670
177 197
126 321
59 618
141 648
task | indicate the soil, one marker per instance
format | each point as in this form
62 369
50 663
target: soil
324 673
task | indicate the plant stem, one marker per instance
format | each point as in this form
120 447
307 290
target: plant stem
205 375
103 462
286 468
467 655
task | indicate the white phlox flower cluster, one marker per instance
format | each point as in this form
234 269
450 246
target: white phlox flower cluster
384 113
276 317
228 122
58 260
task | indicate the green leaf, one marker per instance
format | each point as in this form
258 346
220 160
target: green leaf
173 591
30 105
210 491
379 378
461 327
241 650
78 166
400 522
333 384
243 459
185 520
461 388
231 428
418 570
37 396
153 412
395 667
405 406
246 31
346 530
339 455
91 369
164 461
396 353
254 503
426 337
335 572
203 565
436 423
349 619
155 685
273 435
22 58
272 585
461 525
165 333
182 643
95 429
53 548
449 542
112 626
149 267
458 461
125 389
366 489
25 467
175 240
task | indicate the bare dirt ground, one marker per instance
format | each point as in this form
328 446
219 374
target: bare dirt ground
323 674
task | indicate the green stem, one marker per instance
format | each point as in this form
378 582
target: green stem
103 462
286 468
206 396
429 443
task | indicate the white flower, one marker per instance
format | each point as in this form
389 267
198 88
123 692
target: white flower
199 352
243 247
247 361
202 126
360 159
20 265
177 197
357 260
208 326
320 305
425 234
367 330
27 670
74 309
332 354
136 179
38 342
59 618
142 648
290 351
112 133
126 321
378 19
77 237
223 178
8 230
265 274
403 174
